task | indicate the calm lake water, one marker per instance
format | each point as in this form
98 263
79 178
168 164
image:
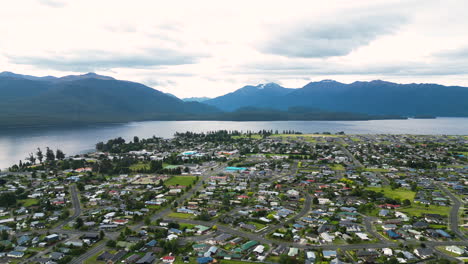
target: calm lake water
16 143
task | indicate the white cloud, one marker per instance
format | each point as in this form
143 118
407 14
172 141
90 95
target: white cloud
208 47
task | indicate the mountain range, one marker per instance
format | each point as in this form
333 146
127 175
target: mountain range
373 98
89 98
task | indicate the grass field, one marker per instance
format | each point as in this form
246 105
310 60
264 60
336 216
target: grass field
139 166
180 180
181 215
253 136
399 193
375 170
337 167
257 225
231 261
29 202
419 210
312 138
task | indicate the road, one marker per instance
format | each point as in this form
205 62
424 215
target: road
161 214
260 237
305 209
356 162
76 206
454 212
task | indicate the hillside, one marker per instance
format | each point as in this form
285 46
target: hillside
373 98
87 98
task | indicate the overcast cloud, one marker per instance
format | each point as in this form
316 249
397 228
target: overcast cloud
209 47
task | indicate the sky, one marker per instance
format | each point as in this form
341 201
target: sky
212 47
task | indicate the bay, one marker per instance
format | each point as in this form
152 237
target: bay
16 143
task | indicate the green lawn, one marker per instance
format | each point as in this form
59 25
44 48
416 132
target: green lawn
29 202
336 167
257 225
184 225
180 180
419 210
375 170
139 166
181 215
399 193
231 261
252 136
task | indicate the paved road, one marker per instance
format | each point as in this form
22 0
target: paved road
356 162
305 209
369 225
76 206
454 212
260 237
161 214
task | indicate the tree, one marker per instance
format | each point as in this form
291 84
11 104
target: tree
50 156
111 243
40 155
7 199
79 223
315 200
406 202
136 139
59 154
31 158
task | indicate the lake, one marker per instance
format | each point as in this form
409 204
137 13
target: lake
16 143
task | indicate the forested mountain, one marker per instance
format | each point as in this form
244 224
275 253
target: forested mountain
374 98
261 95
87 98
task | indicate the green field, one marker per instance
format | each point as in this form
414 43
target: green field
257 225
419 210
375 170
231 261
139 166
29 202
399 193
252 136
180 180
181 215
337 167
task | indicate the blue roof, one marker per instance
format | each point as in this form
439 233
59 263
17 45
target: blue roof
392 234
152 243
443 233
204 260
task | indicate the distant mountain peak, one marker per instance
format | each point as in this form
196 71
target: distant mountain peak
268 85
196 99
89 75
85 76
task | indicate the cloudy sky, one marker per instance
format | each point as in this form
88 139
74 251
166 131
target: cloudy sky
212 47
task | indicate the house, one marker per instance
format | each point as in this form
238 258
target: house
423 253
204 260
168 259
293 252
52 238
105 256
57 255
15 254
310 256
455 249
148 258
328 254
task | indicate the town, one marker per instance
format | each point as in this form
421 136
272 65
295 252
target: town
240 197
